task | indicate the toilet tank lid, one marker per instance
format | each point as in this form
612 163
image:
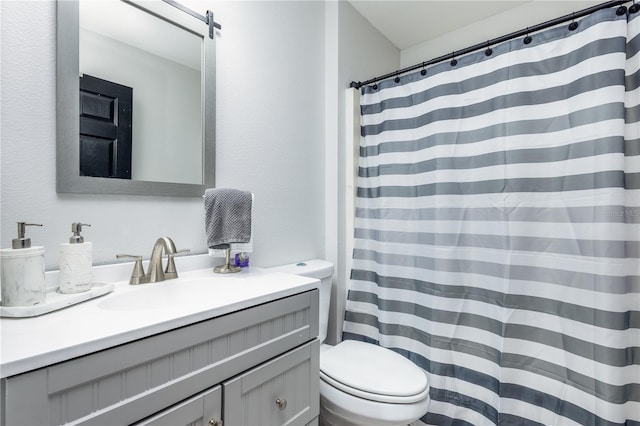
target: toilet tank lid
314 268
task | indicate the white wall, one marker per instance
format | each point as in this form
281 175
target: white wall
270 138
515 19
359 52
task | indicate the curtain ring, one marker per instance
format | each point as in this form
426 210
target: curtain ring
489 50
634 8
454 61
528 38
573 25
397 79
424 70
375 86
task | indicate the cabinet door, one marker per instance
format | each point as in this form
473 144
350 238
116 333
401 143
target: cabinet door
204 409
283 391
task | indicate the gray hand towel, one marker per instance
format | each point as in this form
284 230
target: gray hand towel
227 217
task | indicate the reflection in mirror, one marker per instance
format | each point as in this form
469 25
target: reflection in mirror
162 67
140 118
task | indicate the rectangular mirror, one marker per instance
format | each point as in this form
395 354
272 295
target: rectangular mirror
135 99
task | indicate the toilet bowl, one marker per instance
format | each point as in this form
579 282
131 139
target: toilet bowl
362 383
366 384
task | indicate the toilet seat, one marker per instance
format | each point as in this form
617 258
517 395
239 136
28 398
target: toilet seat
374 373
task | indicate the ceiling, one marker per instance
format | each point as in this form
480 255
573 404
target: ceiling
407 23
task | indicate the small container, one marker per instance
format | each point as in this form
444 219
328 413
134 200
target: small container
22 271
241 259
76 261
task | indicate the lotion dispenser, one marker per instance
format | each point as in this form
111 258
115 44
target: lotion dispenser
76 258
22 271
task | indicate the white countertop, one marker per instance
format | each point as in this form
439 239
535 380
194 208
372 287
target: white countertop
133 312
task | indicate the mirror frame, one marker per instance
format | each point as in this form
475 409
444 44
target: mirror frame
68 179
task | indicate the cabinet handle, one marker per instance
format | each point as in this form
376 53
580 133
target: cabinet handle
281 403
214 422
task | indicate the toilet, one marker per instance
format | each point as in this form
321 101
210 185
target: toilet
362 383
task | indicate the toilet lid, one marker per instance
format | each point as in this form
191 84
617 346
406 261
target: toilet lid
373 372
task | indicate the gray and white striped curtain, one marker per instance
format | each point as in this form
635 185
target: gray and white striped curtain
497 240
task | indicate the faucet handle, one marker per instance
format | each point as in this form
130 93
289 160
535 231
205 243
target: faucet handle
171 272
137 275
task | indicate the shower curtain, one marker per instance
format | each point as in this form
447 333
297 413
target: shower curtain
497 230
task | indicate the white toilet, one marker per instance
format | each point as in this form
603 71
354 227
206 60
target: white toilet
362 383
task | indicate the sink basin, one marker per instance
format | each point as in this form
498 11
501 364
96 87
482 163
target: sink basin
173 294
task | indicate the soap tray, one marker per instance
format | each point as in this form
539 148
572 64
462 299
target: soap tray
55 301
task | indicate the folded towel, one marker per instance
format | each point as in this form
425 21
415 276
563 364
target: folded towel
227 217
237 247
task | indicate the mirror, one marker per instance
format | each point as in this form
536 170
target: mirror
135 99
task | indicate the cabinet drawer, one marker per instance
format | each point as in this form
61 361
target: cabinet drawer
283 391
203 410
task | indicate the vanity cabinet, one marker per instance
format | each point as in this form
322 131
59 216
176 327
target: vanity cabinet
251 367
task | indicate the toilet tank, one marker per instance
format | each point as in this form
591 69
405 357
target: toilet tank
322 270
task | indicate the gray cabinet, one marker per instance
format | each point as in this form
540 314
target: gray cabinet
266 351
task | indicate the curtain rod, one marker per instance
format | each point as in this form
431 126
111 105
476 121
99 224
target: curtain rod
208 19
525 32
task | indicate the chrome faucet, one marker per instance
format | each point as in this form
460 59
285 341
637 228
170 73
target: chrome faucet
163 245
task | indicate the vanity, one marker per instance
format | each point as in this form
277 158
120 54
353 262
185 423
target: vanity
203 349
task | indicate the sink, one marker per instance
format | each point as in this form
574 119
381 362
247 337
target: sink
173 294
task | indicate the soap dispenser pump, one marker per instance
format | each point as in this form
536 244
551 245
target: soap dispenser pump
76 258
22 271
22 241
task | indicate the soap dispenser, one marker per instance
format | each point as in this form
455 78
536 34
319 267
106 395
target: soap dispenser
76 259
22 271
